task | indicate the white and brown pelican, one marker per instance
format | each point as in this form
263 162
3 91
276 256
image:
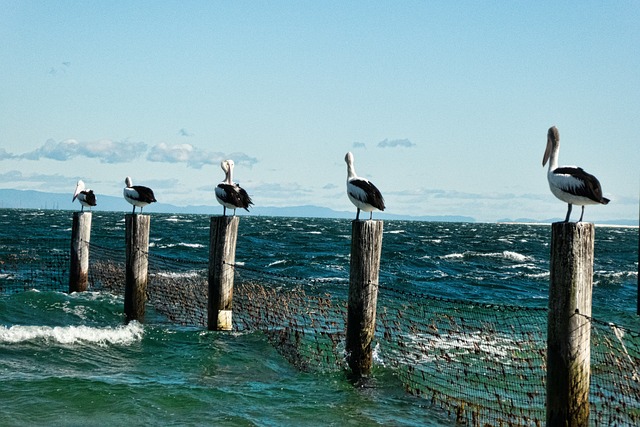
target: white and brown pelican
229 194
362 193
570 184
137 195
85 197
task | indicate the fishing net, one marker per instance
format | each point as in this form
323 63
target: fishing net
483 364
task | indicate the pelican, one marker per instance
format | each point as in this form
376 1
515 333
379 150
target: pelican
570 184
85 197
137 195
229 194
362 193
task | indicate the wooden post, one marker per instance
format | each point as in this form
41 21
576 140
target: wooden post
569 326
366 247
135 292
79 261
222 255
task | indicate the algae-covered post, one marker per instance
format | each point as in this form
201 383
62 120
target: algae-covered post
222 255
366 247
79 260
569 325
135 292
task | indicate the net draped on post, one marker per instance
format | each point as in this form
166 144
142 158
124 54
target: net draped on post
483 364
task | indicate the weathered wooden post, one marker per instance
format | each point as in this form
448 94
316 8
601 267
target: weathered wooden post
366 247
135 292
79 260
569 324
223 234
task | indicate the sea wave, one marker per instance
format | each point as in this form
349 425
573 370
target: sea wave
509 255
121 335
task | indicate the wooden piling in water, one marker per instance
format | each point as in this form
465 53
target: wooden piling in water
569 324
223 234
79 260
366 247
137 253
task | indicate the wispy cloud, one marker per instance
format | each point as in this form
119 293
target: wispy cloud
105 150
392 143
185 132
194 157
53 71
37 180
359 145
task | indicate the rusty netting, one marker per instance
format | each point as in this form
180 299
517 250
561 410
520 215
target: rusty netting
484 364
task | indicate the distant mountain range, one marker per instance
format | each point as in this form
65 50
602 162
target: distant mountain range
30 199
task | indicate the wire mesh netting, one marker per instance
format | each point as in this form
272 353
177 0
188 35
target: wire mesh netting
484 364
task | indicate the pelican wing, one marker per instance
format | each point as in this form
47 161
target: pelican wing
576 181
89 197
364 191
144 194
233 196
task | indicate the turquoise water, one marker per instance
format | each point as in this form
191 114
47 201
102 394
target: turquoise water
71 359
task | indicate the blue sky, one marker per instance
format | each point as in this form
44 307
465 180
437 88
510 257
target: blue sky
445 105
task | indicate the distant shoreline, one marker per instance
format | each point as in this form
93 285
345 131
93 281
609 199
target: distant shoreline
547 223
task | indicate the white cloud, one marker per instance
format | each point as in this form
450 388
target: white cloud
193 156
110 151
105 150
171 154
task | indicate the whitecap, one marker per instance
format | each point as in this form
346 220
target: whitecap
454 256
281 261
191 245
122 335
515 256
173 275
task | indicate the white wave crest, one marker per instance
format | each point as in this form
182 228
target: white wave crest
281 261
122 335
515 256
510 255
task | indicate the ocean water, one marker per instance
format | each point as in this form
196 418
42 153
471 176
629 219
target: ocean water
72 360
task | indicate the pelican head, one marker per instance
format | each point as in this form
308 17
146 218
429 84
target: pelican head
553 140
349 158
351 171
128 182
227 165
79 188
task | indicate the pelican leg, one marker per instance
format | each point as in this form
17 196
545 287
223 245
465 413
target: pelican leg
568 212
358 215
224 211
133 212
370 215
581 214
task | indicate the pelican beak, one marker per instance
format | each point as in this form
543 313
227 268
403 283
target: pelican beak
76 193
547 152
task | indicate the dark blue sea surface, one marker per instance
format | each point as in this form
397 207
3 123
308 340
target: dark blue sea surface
72 360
